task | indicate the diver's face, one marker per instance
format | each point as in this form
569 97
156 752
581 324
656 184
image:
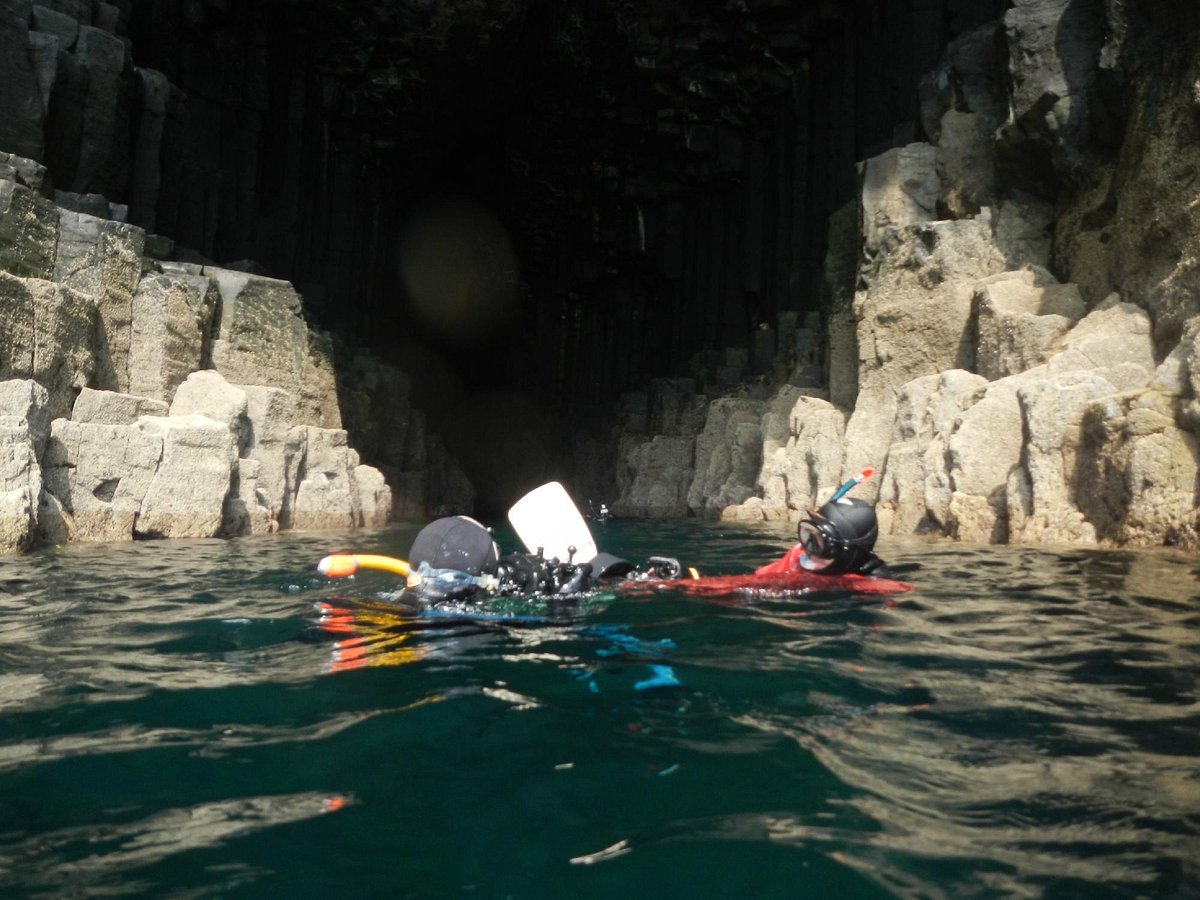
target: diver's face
818 540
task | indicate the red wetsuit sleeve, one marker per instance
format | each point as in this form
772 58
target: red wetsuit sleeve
789 562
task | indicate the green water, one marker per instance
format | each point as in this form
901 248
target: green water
214 719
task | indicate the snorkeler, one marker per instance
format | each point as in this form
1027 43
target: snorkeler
838 539
455 558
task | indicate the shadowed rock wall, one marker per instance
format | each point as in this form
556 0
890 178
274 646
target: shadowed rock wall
665 174
1014 349
781 204
662 174
111 167
118 413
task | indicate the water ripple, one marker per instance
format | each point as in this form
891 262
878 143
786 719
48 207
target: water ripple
1025 723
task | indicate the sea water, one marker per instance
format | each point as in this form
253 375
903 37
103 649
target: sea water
215 719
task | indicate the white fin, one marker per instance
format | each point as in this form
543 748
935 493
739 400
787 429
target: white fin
547 518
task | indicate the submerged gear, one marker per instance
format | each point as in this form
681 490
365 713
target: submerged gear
455 559
840 536
448 584
532 573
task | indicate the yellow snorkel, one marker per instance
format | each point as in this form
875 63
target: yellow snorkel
343 565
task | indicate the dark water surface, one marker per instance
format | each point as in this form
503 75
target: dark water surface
214 719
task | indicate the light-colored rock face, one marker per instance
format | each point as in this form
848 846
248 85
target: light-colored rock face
324 487
207 393
24 430
1069 432
110 408
1141 470
1006 460
99 475
900 189
269 413
264 340
1052 411
103 259
1020 318
20 486
186 496
222 459
914 319
728 456
917 484
1113 340
374 497
48 333
161 476
171 332
1074 419
25 404
801 466
248 509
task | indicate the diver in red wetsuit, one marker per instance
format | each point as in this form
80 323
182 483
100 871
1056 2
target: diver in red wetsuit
837 540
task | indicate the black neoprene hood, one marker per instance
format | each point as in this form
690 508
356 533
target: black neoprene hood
455 542
851 529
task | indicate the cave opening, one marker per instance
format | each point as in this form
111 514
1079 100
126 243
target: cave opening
534 207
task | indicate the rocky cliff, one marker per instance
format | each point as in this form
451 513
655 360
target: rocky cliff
953 239
146 391
143 398
1014 311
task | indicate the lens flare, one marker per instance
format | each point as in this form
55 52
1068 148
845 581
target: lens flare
458 267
